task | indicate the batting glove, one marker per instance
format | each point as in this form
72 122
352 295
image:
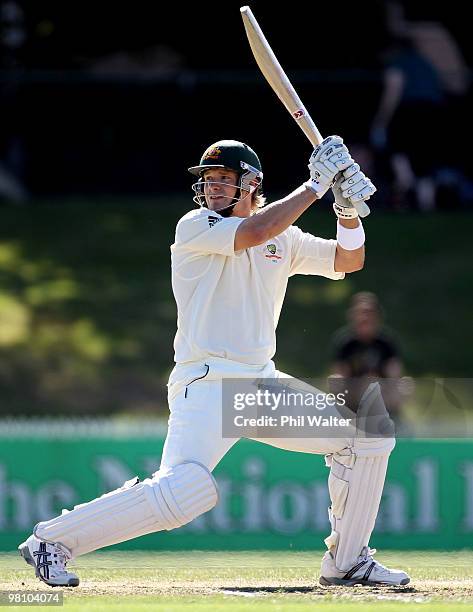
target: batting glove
351 188
327 160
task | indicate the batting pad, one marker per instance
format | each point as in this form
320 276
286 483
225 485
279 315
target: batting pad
168 500
356 482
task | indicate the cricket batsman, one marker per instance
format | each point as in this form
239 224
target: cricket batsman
231 261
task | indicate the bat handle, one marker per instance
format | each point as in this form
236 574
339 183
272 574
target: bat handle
310 130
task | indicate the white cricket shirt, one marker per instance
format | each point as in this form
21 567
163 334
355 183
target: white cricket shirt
228 303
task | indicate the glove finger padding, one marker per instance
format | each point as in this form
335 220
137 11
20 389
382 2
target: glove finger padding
336 163
364 194
341 162
353 180
333 149
347 203
349 172
356 188
325 145
332 168
340 156
318 169
331 146
327 160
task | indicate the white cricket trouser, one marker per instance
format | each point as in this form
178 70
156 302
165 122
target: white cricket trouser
357 466
195 422
183 487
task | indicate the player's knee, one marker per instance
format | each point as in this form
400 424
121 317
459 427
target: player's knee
182 493
373 447
375 428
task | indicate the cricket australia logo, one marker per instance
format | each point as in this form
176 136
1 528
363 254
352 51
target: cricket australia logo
212 153
272 251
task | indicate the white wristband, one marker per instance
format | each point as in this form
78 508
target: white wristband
350 239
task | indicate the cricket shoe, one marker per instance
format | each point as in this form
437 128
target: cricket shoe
366 571
49 561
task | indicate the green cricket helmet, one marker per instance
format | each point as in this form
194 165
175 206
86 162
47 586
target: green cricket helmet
234 155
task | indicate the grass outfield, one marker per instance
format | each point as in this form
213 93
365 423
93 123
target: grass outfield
247 580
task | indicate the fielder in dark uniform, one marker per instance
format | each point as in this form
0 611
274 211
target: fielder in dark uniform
366 349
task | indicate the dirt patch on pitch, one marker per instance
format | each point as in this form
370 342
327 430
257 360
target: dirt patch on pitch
416 592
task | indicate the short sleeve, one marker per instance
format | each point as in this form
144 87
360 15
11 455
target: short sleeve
340 343
313 255
204 231
389 344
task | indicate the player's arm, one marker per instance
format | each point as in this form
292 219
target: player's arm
340 369
347 260
351 189
393 368
326 161
273 219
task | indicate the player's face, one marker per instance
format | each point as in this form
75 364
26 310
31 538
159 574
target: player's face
365 321
220 187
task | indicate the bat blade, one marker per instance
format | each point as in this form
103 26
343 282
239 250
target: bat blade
276 77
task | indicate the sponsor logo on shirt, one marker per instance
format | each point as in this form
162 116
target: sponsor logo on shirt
213 220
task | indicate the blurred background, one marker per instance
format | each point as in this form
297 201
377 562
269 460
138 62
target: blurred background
103 108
